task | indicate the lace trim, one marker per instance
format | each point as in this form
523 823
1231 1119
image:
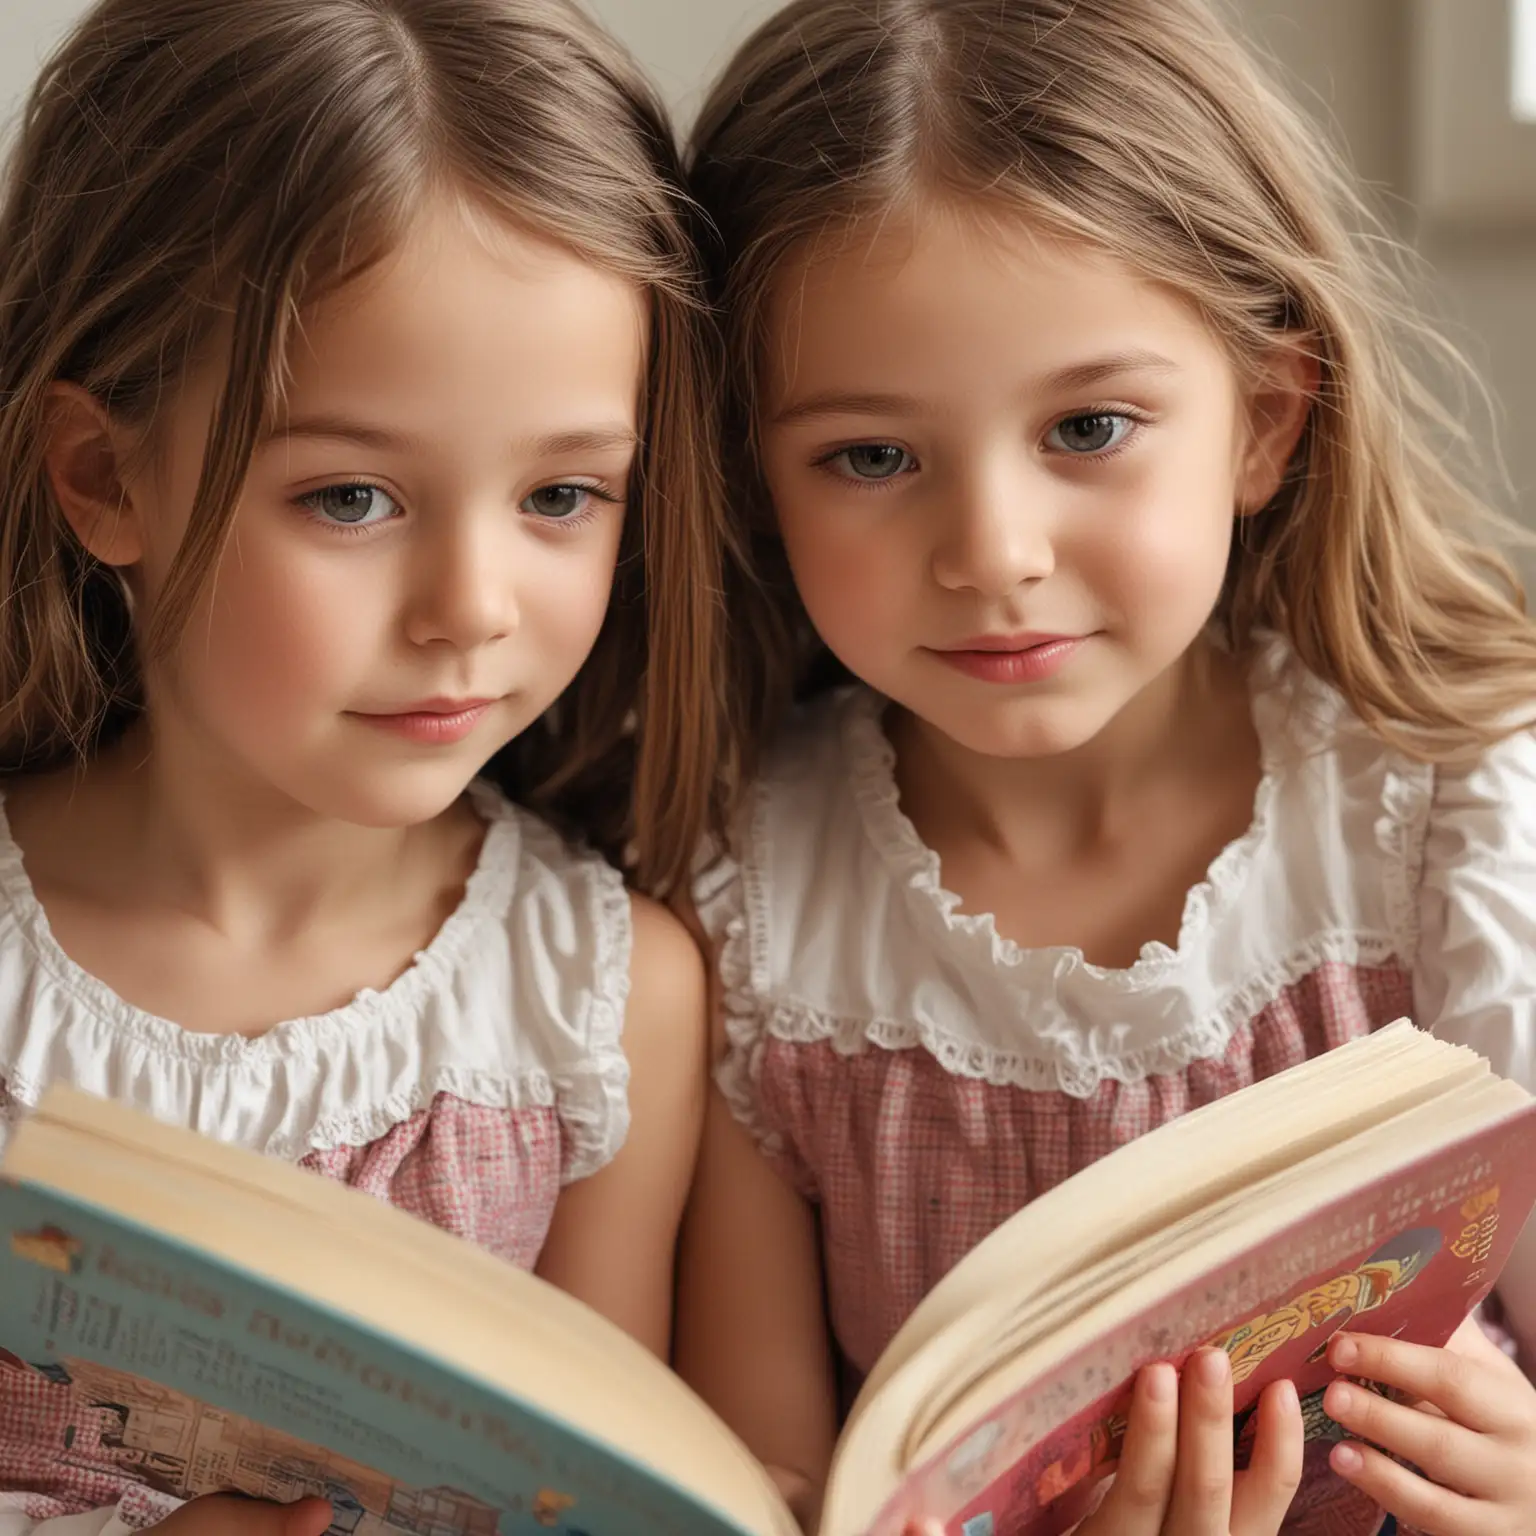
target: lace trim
581 1100
720 897
594 1102
1294 715
487 894
1292 712
289 1059
1072 1072
1402 831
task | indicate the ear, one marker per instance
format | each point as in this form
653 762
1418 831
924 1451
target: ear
1277 412
83 455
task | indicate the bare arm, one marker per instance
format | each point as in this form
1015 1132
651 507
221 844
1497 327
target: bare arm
614 1236
751 1334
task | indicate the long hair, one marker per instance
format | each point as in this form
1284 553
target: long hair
187 169
1143 129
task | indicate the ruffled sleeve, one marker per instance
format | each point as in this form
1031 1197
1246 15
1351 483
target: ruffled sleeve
1475 976
719 898
571 935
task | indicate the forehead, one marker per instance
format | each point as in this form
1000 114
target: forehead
459 274
949 295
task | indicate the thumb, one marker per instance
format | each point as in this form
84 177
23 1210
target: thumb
235 1514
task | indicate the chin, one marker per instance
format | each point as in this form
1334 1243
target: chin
405 798
1020 730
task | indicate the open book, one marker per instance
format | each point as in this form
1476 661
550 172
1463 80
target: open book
216 1320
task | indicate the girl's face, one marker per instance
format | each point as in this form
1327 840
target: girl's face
424 547
1006 471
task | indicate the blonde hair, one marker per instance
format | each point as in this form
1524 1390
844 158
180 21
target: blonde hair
189 164
1143 128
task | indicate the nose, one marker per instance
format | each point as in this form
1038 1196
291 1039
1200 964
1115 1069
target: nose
995 536
463 592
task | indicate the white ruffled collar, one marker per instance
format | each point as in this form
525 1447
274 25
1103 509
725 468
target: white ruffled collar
1291 711
516 1003
486 900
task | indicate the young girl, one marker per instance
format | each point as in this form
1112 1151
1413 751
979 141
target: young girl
1190 731
349 388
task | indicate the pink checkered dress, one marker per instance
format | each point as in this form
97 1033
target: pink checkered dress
467 1092
920 1077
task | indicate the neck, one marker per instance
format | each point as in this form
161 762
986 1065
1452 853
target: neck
236 853
1064 804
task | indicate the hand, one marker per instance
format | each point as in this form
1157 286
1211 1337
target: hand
1469 1426
224 1514
1175 1476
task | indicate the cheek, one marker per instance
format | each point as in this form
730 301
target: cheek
852 571
564 593
1165 546
282 624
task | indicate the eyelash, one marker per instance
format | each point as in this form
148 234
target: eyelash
307 501
1137 420
355 530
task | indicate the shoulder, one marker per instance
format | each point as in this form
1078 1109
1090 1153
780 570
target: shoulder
1491 796
563 905
1480 844
665 1018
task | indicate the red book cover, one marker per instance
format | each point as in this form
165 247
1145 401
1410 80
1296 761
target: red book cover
1409 1256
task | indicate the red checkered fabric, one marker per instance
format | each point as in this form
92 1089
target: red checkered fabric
912 1166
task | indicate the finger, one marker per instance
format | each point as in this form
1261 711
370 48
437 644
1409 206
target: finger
1202 1482
1138 1498
1262 1495
1438 1446
1429 1509
234 1514
1474 1390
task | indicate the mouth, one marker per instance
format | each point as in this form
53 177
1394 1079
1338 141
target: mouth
1030 657
1030 640
434 722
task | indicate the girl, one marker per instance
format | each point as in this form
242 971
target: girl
349 384
1189 732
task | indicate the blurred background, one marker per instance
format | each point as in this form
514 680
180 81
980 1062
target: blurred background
1434 101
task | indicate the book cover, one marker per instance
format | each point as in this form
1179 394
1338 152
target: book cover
1408 1257
130 1359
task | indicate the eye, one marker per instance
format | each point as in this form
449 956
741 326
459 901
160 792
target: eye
561 503
1096 433
873 461
354 505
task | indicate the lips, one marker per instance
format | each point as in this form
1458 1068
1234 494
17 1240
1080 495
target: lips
1027 641
440 706
1018 659
431 722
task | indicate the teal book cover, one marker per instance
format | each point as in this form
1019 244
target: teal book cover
165 1366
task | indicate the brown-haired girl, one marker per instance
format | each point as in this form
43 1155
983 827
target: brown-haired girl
1162 724
356 549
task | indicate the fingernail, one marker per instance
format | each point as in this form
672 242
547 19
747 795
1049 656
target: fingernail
1339 1398
1211 1367
1161 1383
1344 1351
1286 1399
1346 1459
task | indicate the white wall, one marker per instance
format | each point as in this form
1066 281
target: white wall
679 41
28 28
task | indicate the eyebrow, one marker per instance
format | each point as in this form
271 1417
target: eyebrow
836 402
598 439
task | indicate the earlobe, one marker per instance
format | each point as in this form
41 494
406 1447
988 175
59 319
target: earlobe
83 458
1277 415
